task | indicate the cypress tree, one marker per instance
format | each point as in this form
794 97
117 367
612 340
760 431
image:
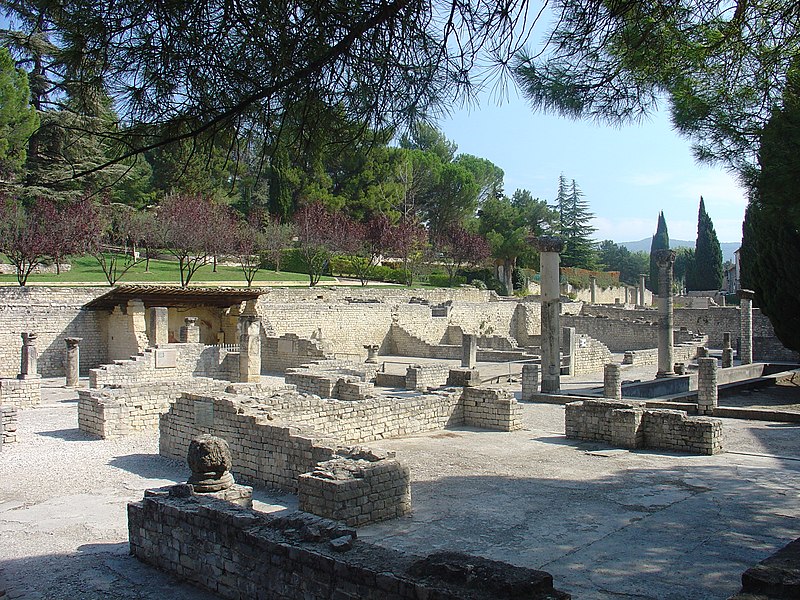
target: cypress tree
707 255
660 242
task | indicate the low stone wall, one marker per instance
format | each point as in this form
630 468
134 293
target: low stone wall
358 490
265 454
491 408
681 353
21 393
590 355
777 576
631 425
278 354
420 377
114 412
238 553
8 425
167 363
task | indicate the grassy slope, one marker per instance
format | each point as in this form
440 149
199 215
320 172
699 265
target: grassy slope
85 269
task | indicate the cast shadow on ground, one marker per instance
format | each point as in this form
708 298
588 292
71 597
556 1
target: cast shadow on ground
94 572
70 435
151 466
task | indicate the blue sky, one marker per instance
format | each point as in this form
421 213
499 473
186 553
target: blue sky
628 174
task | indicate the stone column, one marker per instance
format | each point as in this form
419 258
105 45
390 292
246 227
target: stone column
159 325
612 381
30 357
593 288
706 386
665 259
530 381
642 288
568 346
746 320
469 350
249 349
372 353
190 332
727 351
73 361
549 249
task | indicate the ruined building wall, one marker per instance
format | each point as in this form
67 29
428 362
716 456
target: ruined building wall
191 360
115 412
621 336
239 553
53 314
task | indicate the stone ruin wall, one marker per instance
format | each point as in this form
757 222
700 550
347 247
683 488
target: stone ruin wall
21 393
276 438
54 314
621 336
612 295
113 412
238 553
629 424
8 424
590 355
191 360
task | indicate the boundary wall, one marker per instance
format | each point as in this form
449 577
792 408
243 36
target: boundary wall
276 438
236 553
167 363
631 425
53 313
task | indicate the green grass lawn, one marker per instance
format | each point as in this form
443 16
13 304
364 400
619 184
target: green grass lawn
86 269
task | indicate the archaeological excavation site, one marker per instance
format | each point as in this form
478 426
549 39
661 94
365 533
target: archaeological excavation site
393 443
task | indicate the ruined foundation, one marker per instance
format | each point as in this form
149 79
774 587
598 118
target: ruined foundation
238 553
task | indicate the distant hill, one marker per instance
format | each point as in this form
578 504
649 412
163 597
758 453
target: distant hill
728 248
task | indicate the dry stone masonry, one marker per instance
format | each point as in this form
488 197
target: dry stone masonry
238 553
630 425
359 488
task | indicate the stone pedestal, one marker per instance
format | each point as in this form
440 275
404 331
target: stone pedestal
159 325
612 381
372 353
469 350
665 259
746 320
73 361
530 381
249 349
30 357
549 249
642 288
706 386
593 288
190 332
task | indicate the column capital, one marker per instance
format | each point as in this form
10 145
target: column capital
664 257
548 244
746 294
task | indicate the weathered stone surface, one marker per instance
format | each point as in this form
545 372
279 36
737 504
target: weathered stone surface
777 576
209 458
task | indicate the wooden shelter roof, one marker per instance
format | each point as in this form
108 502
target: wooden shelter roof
173 296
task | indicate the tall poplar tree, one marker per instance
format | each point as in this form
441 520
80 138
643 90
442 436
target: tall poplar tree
660 242
707 255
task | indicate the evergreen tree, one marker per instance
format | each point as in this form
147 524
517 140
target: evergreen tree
574 228
707 255
18 119
771 240
660 242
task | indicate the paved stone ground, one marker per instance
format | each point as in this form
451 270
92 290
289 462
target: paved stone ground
606 523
